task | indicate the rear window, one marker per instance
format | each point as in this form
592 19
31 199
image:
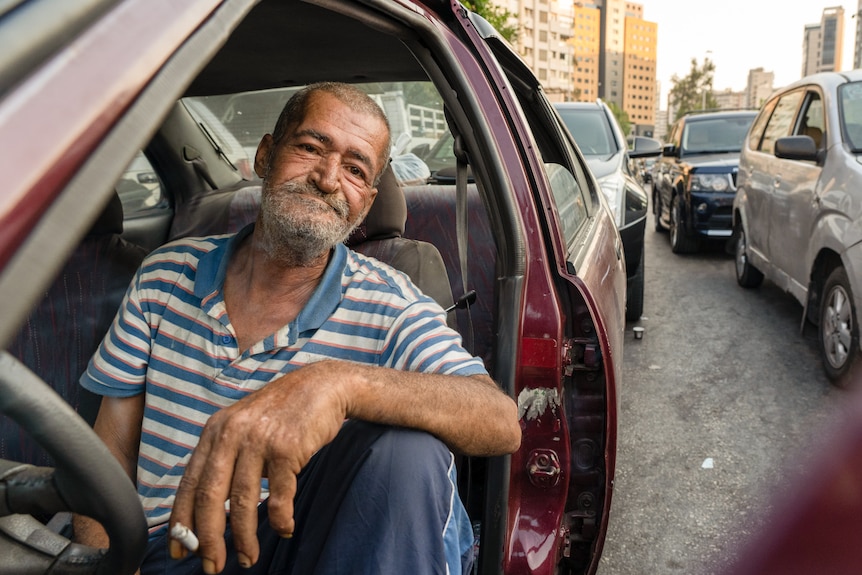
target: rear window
591 130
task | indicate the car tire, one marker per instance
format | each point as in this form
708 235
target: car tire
635 293
839 331
679 242
656 210
747 275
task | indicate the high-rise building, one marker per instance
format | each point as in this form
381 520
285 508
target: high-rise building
583 50
544 42
857 45
822 43
585 47
810 49
758 88
639 70
627 61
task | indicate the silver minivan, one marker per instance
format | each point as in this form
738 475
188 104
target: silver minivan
798 210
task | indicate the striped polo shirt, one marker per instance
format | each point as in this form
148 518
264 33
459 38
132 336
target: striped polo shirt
173 340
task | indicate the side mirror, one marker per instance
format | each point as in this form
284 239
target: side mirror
645 148
796 148
670 151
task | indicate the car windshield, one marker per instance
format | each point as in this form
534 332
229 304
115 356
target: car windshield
715 135
850 101
414 110
591 130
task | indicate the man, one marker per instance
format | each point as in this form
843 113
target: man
236 358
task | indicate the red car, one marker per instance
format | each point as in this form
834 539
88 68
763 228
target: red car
84 89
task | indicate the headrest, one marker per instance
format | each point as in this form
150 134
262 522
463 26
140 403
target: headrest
110 221
388 213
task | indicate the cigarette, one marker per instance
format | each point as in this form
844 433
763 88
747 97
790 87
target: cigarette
185 536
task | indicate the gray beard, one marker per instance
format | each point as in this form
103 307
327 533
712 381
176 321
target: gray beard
297 230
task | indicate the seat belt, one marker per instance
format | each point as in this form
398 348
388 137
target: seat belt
461 233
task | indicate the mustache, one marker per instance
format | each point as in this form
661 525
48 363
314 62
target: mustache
339 205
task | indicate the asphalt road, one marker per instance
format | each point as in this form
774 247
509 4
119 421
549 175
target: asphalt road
722 376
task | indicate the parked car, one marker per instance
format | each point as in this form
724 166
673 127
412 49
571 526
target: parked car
601 140
797 213
695 179
80 96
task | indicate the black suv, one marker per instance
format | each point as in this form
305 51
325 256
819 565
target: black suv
695 179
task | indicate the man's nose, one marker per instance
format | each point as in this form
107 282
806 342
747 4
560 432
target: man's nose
325 174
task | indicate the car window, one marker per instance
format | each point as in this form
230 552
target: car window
571 208
247 116
759 125
850 111
724 134
591 130
414 110
811 122
781 120
139 187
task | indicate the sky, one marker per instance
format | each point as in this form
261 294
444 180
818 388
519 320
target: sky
739 35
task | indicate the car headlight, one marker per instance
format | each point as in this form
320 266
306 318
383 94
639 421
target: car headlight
613 187
710 183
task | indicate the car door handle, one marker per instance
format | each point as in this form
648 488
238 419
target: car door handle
776 182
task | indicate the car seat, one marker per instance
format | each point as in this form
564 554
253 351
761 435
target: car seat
380 235
65 328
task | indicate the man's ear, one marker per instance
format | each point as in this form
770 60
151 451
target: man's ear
262 156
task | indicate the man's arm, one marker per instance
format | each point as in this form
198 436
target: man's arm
119 427
277 429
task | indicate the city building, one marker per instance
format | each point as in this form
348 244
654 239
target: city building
857 45
758 88
639 70
729 100
822 43
545 42
585 43
587 50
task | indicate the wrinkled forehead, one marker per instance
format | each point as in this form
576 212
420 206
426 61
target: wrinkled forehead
339 124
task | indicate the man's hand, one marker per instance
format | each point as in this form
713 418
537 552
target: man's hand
272 432
275 431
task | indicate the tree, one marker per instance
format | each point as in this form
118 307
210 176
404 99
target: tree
501 19
622 118
693 92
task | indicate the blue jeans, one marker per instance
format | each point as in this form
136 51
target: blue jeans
375 501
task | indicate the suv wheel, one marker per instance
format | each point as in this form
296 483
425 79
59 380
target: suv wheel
679 242
635 293
656 210
747 275
839 332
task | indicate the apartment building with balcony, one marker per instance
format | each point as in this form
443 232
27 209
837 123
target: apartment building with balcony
544 42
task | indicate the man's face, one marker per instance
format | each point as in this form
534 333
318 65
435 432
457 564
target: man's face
318 180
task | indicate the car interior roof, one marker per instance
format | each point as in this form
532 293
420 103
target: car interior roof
312 43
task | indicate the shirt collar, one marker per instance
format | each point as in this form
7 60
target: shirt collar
212 269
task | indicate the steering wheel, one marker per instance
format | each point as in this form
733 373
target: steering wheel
88 480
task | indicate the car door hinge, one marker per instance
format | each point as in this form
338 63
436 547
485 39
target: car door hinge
581 354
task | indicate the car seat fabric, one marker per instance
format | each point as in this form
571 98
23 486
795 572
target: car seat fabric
815 133
431 218
67 325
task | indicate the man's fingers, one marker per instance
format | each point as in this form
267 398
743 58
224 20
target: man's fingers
201 496
282 490
244 499
183 509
